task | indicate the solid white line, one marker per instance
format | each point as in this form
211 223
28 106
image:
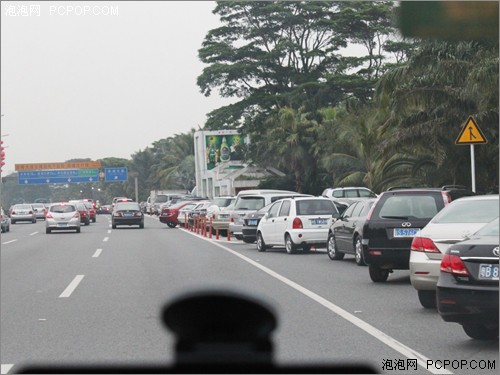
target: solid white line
97 253
4 369
72 286
32 234
105 239
5 243
368 328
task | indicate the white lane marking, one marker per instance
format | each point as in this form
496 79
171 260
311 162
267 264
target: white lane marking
109 231
368 328
72 286
97 253
105 239
4 369
5 243
32 234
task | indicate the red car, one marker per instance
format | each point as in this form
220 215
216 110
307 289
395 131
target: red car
168 215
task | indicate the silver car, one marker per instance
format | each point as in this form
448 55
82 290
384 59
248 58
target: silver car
62 216
40 210
22 212
456 222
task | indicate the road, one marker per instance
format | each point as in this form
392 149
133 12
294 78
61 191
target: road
96 297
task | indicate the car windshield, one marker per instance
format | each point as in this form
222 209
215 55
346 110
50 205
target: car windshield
491 229
257 103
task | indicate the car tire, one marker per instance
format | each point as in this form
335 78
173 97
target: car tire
33 221
113 226
427 298
94 220
480 331
261 245
12 221
289 245
358 252
377 274
331 248
238 236
78 230
47 230
87 222
171 225
141 226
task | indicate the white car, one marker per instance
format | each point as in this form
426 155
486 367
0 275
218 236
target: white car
296 222
456 222
62 216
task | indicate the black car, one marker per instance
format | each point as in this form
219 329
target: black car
127 213
396 217
250 223
346 233
467 289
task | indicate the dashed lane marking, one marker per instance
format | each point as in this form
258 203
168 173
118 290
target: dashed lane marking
72 286
5 368
5 243
32 234
105 239
97 253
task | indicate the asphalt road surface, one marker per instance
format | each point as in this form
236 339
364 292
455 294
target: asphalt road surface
96 297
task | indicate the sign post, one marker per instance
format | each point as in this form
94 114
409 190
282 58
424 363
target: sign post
471 135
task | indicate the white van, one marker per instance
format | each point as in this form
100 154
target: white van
253 200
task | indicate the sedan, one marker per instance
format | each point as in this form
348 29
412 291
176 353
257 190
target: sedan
299 222
40 210
62 216
452 224
346 233
169 215
5 221
467 288
22 212
127 213
250 223
83 210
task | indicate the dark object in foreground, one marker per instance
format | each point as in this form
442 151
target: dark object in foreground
217 332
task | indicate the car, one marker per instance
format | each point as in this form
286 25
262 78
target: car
353 193
251 222
127 213
62 216
92 210
83 210
40 210
198 212
452 224
251 201
346 233
467 288
396 217
169 215
119 199
183 215
296 222
5 221
104 209
22 212
221 219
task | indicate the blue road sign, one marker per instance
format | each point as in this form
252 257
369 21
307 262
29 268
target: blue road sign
61 176
115 174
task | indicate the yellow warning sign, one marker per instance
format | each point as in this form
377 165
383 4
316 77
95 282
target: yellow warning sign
471 134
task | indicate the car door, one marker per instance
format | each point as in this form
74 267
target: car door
281 222
342 230
266 224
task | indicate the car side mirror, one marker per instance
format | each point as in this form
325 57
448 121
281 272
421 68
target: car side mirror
267 215
335 215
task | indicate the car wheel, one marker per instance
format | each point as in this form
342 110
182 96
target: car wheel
33 221
261 245
94 220
113 226
12 221
47 230
87 222
378 274
248 240
4 229
479 331
331 248
289 245
238 236
141 225
172 225
358 252
78 230
427 298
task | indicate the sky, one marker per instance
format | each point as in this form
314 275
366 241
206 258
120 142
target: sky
100 79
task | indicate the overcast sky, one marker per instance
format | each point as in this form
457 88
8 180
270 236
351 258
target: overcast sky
100 79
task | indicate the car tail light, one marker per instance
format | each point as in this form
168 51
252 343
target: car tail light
297 223
49 215
454 265
13 213
369 216
446 197
232 220
424 244
117 214
138 214
31 212
77 214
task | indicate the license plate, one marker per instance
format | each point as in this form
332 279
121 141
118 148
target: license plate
488 271
252 222
406 232
224 217
128 214
319 221
62 225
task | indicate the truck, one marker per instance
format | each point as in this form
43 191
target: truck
158 197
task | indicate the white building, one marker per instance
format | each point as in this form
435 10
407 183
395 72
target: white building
220 168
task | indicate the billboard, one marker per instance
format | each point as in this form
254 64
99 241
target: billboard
221 148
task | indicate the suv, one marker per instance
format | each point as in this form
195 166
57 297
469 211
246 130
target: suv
398 215
349 193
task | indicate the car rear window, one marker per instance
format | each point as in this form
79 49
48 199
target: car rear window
63 208
315 207
249 203
408 206
127 206
468 211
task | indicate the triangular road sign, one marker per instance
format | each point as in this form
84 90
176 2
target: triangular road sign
471 134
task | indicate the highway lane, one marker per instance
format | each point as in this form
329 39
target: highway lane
112 314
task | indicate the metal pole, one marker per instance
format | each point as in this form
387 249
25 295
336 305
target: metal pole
136 189
473 168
